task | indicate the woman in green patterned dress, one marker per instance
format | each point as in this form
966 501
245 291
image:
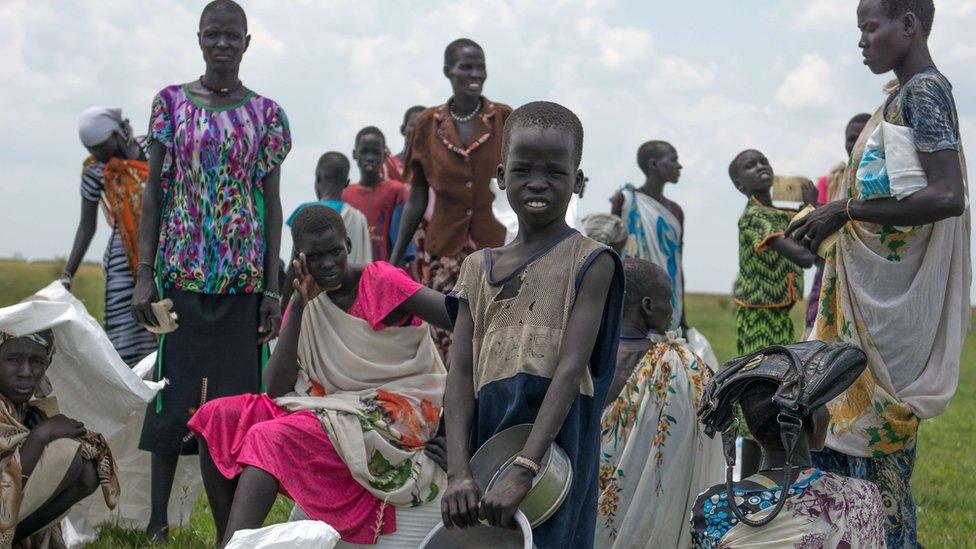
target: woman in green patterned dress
771 267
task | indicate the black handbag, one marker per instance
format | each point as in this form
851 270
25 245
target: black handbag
808 375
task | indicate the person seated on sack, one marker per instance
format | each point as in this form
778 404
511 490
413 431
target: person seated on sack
354 392
47 464
821 509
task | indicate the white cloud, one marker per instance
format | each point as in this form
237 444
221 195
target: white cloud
808 85
338 65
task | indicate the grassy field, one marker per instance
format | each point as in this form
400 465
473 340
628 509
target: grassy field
944 480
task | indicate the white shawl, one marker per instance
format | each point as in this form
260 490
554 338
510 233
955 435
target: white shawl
383 394
657 238
903 297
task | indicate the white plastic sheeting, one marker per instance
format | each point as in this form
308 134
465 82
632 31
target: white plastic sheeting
93 385
302 534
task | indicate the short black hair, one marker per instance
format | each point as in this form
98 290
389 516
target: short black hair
452 50
861 118
652 149
316 219
411 110
223 5
544 115
369 130
924 10
734 165
644 279
332 165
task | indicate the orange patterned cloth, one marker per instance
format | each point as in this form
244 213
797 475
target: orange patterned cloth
125 181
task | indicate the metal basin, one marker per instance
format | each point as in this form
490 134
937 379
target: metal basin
549 488
481 535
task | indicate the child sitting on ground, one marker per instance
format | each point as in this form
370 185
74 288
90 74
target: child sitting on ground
535 337
381 200
354 393
655 458
822 510
47 464
770 279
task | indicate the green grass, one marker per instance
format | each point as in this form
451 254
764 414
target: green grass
945 475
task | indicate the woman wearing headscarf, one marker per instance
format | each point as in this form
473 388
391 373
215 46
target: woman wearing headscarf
210 240
48 462
114 176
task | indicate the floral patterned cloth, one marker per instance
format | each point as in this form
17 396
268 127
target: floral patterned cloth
655 458
891 474
377 394
349 445
211 237
824 510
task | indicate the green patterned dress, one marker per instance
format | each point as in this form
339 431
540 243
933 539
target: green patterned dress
768 284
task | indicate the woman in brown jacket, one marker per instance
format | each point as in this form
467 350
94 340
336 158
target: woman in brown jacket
454 152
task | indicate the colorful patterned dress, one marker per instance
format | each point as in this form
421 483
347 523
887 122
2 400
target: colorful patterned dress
655 458
824 510
768 284
211 254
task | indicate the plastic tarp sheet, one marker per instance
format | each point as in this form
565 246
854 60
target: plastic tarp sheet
93 385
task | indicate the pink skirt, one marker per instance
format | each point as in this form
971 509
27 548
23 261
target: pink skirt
293 447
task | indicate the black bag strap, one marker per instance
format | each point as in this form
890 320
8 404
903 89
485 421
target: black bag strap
790 424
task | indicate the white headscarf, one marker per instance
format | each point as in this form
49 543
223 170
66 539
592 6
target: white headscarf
96 124
605 228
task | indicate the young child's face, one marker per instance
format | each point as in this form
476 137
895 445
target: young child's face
406 130
754 173
851 133
667 168
326 254
883 43
539 175
369 154
22 365
468 73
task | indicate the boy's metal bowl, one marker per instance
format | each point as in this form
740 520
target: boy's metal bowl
481 535
549 488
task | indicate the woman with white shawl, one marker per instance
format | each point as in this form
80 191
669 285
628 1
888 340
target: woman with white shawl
897 282
354 392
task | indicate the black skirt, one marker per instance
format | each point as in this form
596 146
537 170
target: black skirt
214 353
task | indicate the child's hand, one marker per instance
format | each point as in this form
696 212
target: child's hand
810 193
59 426
34 417
459 506
304 284
436 449
499 505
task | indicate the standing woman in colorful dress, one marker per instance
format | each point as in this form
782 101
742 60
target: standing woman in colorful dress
114 175
454 151
211 234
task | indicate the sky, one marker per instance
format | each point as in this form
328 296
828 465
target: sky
712 77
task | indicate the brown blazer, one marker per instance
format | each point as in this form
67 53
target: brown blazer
460 177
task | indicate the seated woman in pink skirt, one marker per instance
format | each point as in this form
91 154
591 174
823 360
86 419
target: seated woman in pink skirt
354 392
